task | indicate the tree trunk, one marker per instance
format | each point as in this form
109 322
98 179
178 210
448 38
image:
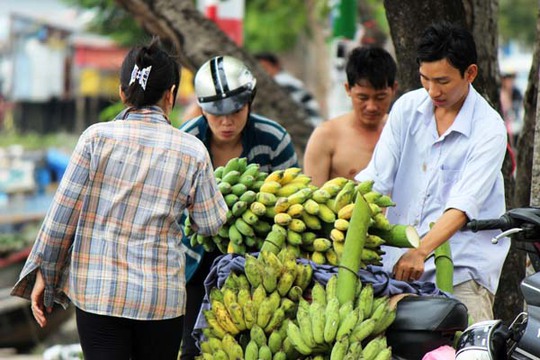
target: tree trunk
480 17
197 39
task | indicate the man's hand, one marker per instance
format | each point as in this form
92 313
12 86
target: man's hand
410 266
36 298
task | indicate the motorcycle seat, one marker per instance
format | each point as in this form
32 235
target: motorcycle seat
424 323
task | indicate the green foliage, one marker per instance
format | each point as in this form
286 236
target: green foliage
273 25
113 21
114 109
517 21
34 141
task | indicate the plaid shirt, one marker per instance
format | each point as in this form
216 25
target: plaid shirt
111 240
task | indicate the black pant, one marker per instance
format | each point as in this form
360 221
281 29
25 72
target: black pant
114 338
195 296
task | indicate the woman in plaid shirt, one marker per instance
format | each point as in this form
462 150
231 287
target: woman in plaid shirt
111 241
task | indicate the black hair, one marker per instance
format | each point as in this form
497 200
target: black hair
165 72
269 57
373 64
449 41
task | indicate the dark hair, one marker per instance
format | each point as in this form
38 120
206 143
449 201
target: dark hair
449 41
165 72
373 64
268 56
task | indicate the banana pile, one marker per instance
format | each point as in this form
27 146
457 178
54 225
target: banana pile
254 318
346 331
239 183
313 221
284 210
249 314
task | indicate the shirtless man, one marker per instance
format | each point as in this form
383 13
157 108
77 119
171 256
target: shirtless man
343 146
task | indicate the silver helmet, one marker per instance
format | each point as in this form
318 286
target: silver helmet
223 85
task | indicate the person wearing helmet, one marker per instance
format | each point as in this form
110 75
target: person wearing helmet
225 89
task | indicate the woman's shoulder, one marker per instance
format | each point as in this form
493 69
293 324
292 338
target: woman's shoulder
265 129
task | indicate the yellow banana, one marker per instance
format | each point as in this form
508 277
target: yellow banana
289 175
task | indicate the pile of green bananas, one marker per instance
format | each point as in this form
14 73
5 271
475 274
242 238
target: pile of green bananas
249 314
254 318
284 210
239 182
343 331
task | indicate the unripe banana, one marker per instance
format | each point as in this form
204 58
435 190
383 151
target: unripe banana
250 316
311 221
257 335
363 330
295 210
249 217
289 175
340 349
244 228
345 212
326 214
271 187
345 196
252 351
318 320
258 208
322 244
321 196
253 270
300 196
294 238
304 324
311 206
266 198
318 258
289 189
295 337
276 175
347 325
298 226
341 224
282 219
331 325
332 257
365 186
337 235
231 177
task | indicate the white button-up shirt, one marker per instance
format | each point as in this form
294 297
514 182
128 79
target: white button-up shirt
427 174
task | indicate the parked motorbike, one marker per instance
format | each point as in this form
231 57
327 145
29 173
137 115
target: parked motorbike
492 340
425 323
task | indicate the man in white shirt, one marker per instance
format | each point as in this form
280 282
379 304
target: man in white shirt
440 156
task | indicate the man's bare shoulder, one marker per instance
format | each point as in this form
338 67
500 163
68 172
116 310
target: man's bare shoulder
334 125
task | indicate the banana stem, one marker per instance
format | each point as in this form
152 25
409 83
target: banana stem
347 278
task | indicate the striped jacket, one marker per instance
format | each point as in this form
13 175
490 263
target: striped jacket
264 141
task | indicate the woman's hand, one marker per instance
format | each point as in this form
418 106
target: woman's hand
36 298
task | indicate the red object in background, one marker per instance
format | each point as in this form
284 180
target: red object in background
99 57
228 16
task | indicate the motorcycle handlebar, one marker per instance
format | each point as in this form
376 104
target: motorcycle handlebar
477 225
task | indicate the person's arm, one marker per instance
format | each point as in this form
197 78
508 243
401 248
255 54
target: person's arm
411 265
207 210
318 156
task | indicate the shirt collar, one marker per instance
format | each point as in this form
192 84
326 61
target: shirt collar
462 123
144 113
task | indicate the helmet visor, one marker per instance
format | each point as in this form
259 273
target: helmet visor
227 105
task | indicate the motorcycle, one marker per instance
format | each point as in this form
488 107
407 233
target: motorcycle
492 340
417 330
